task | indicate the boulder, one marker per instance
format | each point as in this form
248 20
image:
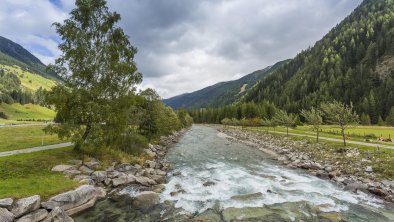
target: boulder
377 191
247 197
125 167
73 198
62 168
158 179
368 169
354 187
35 216
112 173
315 166
150 164
160 172
82 207
26 205
72 172
150 153
145 181
58 215
245 214
208 183
99 176
86 170
87 181
208 216
158 188
81 177
6 203
126 179
6 216
146 199
93 164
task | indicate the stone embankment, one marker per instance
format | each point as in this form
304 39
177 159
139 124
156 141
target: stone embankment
343 166
96 183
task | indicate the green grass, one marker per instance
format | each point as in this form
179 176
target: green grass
381 160
29 174
353 134
30 81
21 137
28 112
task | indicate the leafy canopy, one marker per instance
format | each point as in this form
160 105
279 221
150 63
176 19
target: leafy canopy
99 73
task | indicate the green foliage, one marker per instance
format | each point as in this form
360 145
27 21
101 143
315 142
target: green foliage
236 111
365 120
342 66
253 122
390 117
380 121
157 119
340 114
282 118
99 73
314 117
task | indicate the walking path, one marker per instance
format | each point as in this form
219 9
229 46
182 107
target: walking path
339 140
35 149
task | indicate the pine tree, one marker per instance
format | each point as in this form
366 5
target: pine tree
390 117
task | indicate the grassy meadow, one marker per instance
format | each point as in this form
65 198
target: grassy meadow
30 81
21 137
18 113
28 174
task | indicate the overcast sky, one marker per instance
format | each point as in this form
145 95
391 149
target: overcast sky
185 45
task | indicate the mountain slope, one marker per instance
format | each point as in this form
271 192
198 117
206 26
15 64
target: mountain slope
220 94
353 63
12 53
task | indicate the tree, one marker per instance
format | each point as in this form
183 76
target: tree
99 76
286 120
365 120
314 118
380 121
390 117
341 115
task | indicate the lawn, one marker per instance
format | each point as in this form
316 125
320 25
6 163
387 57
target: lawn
29 174
28 112
356 133
20 137
30 81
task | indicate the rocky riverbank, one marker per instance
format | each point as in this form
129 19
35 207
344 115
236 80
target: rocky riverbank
345 167
97 183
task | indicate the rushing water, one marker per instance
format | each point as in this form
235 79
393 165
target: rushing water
210 171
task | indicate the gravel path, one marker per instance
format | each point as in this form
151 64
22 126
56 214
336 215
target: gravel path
35 149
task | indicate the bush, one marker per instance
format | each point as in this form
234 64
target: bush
3 115
132 143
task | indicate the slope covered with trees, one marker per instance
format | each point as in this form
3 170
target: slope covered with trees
353 63
12 53
222 93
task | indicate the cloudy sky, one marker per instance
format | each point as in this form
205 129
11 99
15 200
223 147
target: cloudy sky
185 45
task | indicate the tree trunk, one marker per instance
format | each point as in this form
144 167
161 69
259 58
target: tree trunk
317 136
287 131
343 136
85 135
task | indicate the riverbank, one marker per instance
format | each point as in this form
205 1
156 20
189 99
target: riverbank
97 180
348 167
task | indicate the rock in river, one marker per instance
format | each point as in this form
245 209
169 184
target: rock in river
26 205
246 197
146 199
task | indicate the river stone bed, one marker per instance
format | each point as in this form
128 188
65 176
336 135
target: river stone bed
215 178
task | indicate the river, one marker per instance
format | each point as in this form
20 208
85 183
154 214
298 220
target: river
241 183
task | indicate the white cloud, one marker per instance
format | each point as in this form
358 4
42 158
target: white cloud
184 46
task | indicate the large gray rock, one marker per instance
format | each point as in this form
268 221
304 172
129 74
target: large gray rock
99 176
6 216
26 205
35 216
126 179
6 203
146 200
86 170
93 164
145 181
73 198
150 164
245 214
58 215
62 168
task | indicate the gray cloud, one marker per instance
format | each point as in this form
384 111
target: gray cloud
186 45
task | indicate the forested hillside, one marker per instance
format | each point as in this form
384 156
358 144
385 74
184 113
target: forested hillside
222 93
12 53
353 63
